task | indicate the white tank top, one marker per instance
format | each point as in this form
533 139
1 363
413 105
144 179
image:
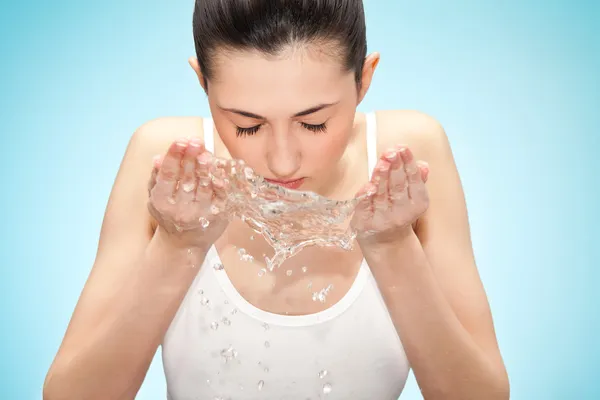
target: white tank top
219 346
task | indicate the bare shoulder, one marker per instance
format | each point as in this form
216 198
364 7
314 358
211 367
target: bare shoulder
421 132
155 136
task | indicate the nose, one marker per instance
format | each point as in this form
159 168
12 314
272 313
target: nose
283 154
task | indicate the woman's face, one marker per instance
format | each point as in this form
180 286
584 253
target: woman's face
288 117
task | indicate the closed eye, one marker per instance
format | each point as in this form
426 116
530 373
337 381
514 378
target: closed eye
247 131
320 128
315 128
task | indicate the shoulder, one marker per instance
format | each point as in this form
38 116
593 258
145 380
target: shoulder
422 133
155 136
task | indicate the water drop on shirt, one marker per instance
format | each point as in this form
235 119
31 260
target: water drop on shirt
234 311
214 326
228 354
261 384
218 267
266 326
323 373
226 321
204 301
267 344
327 388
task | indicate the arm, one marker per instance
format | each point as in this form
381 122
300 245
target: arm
135 287
430 283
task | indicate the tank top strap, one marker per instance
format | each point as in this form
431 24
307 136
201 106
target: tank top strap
208 130
371 125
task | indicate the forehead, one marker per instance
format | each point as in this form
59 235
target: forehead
297 78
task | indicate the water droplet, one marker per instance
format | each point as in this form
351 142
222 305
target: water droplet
244 256
266 369
200 291
218 267
188 187
171 200
204 301
327 388
323 373
262 272
309 285
203 222
214 326
288 272
214 210
229 354
251 237
226 302
234 311
304 269
322 294
266 326
261 384
226 321
267 344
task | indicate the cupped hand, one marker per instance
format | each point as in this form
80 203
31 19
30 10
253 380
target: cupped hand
187 203
396 198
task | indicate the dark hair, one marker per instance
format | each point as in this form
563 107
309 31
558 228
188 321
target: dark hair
271 25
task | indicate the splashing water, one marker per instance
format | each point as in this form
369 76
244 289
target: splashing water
288 219
322 294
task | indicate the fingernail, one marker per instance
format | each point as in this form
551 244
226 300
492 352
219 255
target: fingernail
391 156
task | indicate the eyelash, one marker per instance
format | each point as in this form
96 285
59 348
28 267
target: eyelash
321 128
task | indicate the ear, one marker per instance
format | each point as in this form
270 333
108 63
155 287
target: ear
193 61
369 67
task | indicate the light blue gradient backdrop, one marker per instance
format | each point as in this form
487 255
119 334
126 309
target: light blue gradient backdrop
516 86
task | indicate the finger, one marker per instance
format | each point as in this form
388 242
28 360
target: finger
168 174
155 167
397 182
424 168
187 187
413 173
380 179
204 188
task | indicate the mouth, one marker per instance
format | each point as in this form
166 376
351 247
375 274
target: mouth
293 184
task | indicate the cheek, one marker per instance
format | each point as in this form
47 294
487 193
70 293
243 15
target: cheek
325 150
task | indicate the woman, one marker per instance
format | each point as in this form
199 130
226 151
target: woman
283 80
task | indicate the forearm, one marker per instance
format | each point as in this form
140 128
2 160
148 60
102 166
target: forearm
110 359
447 363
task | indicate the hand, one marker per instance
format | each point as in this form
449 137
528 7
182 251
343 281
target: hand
187 204
397 196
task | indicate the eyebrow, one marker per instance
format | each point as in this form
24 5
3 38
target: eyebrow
298 114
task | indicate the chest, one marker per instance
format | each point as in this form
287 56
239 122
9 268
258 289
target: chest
309 282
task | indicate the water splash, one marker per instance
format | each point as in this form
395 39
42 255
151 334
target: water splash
288 219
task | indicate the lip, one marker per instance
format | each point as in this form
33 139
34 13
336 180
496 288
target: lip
292 184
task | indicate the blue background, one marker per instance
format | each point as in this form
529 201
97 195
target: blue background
517 87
